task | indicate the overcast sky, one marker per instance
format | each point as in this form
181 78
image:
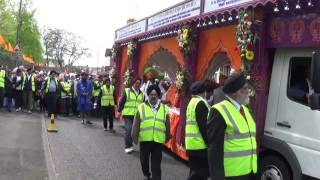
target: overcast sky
95 20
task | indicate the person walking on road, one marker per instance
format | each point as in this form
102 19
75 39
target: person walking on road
2 85
151 128
51 89
84 92
29 89
231 132
131 99
196 135
107 103
18 85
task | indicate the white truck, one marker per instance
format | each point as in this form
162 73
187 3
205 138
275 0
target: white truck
290 146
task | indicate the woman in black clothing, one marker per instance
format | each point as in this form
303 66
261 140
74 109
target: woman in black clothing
17 84
39 95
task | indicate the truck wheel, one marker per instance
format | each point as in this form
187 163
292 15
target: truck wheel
273 168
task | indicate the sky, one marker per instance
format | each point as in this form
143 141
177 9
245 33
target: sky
95 20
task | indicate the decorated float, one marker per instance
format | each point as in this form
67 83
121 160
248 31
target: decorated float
204 39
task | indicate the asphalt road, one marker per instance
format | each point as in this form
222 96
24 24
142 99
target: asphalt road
86 152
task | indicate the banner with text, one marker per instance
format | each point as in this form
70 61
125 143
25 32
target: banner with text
131 30
178 13
216 5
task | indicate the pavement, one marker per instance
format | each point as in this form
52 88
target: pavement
21 147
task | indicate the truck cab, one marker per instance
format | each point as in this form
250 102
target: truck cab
291 142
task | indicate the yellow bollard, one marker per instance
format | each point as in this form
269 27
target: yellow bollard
52 127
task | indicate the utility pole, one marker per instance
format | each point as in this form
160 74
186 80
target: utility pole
19 24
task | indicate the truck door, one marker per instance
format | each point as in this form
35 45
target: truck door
296 123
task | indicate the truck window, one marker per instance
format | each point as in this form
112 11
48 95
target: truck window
299 78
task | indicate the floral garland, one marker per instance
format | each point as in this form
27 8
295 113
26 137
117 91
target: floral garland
114 51
127 78
131 48
182 79
185 40
247 38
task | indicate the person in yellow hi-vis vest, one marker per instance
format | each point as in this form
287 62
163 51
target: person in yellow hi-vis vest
128 105
151 128
2 84
29 88
107 104
65 95
196 132
231 133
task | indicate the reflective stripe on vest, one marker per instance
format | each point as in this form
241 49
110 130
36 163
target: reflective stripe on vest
152 127
193 138
66 86
107 96
96 91
2 78
240 157
132 103
33 84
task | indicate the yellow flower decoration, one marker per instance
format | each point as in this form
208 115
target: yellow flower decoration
185 33
249 55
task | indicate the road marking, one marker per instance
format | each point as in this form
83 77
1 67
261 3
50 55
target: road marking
48 153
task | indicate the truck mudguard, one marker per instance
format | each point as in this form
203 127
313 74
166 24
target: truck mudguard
285 151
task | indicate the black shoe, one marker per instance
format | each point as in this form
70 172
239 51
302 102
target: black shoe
89 122
112 131
146 178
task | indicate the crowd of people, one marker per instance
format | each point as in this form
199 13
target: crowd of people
219 131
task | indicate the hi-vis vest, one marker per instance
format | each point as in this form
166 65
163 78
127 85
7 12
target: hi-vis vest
66 86
95 91
2 78
107 96
240 147
152 127
193 138
48 85
132 103
33 83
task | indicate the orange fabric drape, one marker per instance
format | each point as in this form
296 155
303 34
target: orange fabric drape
151 47
212 41
124 60
2 41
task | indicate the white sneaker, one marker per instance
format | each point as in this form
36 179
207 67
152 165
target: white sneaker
129 150
29 112
19 109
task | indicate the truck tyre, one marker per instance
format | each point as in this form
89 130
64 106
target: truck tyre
274 168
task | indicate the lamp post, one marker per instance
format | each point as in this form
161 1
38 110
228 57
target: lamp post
17 49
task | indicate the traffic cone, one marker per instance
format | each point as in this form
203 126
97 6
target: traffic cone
52 127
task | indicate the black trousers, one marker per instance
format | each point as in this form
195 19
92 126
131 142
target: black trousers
1 97
154 150
74 106
245 177
18 100
199 168
51 100
108 115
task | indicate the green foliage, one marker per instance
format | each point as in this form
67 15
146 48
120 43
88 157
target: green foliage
8 23
30 38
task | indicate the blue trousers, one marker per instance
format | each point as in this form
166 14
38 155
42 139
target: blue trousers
128 126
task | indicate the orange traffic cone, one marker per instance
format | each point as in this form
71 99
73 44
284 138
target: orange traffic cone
52 127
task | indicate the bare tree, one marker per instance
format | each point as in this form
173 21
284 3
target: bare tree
63 47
